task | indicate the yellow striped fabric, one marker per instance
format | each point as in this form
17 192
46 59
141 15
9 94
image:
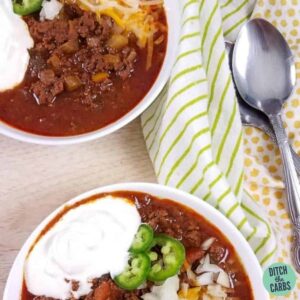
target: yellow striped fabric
193 130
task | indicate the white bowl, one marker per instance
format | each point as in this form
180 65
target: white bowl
246 255
173 18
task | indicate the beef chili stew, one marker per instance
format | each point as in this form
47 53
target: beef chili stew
86 70
189 258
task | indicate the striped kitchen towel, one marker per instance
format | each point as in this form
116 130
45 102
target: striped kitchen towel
193 131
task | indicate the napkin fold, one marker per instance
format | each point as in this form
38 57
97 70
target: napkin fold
193 130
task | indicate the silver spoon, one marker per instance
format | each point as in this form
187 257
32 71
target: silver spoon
265 75
255 118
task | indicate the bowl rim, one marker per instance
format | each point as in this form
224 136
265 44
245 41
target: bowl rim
172 9
247 257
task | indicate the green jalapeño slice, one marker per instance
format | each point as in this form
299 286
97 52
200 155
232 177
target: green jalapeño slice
168 260
143 239
26 7
135 273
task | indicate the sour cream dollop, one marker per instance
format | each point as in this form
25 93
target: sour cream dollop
87 242
15 40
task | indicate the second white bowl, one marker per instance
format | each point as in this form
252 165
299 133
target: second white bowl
245 253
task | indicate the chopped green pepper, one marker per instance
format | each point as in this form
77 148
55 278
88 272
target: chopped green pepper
168 262
135 273
142 239
26 7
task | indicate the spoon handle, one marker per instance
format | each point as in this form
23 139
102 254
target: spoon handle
291 184
266 127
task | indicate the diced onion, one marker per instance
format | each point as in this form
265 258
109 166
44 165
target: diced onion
50 9
223 279
205 279
204 261
166 291
207 243
190 274
208 268
216 290
214 278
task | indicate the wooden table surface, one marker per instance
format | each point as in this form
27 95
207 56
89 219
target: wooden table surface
35 179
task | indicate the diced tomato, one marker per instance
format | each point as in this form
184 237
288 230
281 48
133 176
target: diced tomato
103 291
107 290
193 254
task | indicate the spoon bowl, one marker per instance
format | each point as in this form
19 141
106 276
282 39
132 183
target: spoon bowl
253 117
263 66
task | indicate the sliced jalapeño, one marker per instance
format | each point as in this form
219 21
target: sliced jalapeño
135 273
26 7
167 256
143 239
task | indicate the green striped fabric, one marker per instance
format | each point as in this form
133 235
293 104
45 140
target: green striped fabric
193 130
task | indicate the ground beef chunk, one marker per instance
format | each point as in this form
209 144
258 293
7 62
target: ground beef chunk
86 24
70 12
94 64
46 93
37 62
217 252
47 76
128 57
106 26
75 44
47 34
170 222
93 42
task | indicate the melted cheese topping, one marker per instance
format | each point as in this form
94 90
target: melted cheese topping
15 42
86 243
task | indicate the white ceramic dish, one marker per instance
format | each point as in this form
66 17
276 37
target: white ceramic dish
173 18
248 259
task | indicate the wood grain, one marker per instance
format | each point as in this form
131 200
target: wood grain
35 179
